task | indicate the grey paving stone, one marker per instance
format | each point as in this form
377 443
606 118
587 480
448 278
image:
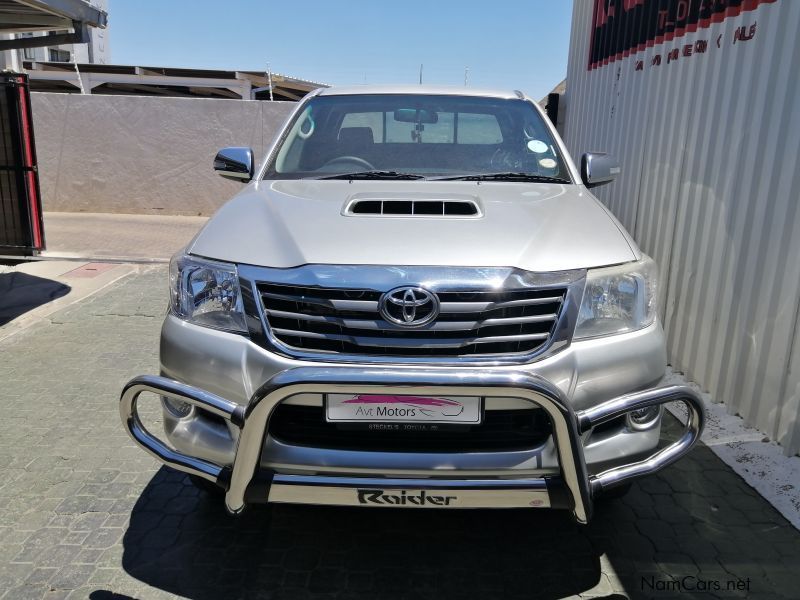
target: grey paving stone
26 592
71 576
40 575
103 537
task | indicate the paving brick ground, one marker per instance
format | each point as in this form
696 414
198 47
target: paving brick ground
85 514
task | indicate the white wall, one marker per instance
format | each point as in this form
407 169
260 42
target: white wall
710 186
148 155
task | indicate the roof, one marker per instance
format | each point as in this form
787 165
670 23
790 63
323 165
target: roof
42 15
164 81
431 90
559 89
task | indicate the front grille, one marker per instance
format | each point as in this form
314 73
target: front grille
501 430
470 323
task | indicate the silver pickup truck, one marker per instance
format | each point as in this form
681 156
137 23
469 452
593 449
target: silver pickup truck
415 301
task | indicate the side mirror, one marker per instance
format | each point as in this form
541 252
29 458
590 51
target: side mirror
598 168
235 163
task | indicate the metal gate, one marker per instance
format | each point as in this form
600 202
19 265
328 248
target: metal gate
21 227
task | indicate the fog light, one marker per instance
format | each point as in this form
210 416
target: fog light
177 408
644 418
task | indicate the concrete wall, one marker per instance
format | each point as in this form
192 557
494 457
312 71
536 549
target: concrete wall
131 154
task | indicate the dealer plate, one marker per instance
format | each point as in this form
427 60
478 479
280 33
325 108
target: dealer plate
389 408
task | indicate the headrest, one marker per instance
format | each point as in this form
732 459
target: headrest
356 136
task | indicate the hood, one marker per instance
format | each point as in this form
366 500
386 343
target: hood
535 227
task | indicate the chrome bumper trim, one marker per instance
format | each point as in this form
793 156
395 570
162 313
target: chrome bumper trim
176 391
411 493
573 488
662 458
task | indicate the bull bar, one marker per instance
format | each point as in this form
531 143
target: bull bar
573 488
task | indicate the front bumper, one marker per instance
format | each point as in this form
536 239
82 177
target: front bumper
571 488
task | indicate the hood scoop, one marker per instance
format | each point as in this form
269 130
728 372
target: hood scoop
413 208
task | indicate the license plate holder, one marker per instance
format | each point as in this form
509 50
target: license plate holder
403 408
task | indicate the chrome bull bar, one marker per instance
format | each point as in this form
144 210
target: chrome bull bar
572 489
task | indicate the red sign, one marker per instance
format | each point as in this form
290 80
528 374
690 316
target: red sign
624 27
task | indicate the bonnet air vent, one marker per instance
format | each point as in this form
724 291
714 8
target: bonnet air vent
416 208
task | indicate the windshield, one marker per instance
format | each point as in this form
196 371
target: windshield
413 136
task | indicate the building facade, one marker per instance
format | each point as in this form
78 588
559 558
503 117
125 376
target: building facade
95 51
698 100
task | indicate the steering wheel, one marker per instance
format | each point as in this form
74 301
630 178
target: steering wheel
355 160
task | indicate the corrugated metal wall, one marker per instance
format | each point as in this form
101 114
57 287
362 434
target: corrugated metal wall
710 188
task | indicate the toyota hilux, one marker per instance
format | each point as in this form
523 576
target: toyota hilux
415 301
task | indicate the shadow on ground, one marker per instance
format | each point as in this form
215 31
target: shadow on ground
20 293
695 530
183 542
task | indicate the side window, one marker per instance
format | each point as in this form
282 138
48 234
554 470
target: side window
474 128
373 120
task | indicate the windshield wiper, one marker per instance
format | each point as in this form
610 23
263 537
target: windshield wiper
509 176
372 175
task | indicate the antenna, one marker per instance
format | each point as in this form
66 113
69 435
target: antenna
420 73
466 76
269 81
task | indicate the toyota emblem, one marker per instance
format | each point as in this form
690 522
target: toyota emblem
409 306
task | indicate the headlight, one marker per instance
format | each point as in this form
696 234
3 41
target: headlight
177 408
644 418
618 299
206 293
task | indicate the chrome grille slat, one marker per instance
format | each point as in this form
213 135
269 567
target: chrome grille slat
518 320
370 305
410 342
476 321
375 324
484 306
365 305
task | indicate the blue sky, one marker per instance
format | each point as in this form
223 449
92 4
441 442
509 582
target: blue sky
513 44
